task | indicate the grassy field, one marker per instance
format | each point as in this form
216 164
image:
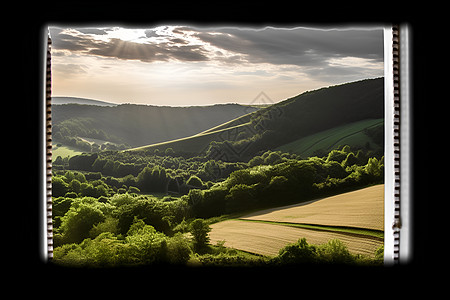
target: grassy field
349 134
64 151
356 218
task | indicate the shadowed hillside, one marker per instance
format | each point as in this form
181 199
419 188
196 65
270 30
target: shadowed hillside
138 125
290 120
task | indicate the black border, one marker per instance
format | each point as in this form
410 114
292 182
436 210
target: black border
27 249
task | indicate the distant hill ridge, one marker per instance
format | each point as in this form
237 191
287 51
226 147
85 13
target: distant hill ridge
303 115
138 125
81 101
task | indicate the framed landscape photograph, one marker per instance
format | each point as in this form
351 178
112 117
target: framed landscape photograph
220 146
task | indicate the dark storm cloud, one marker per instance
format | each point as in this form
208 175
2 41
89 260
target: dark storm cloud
72 43
148 52
128 50
151 33
93 31
298 46
178 41
305 47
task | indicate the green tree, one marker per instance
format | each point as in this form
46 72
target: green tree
200 232
336 155
79 220
88 190
195 182
195 197
146 244
350 160
98 164
169 152
152 179
273 159
75 186
59 187
277 185
240 197
256 161
374 167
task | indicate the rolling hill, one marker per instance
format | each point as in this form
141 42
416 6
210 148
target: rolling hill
353 134
83 101
138 125
356 218
291 120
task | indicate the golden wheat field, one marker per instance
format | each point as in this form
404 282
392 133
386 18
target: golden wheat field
268 239
363 208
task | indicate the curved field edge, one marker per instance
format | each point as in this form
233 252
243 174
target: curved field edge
362 208
349 230
268 239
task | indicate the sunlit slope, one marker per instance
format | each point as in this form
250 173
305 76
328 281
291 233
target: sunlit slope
198 143
267 231
288 121
352 134
362 208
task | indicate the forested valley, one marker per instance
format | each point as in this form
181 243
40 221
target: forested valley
119 208
114 205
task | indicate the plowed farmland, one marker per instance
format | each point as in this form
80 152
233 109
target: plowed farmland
362 209
268 239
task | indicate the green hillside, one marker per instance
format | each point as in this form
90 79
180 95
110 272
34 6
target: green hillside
199 143
291 120
138 125
356 135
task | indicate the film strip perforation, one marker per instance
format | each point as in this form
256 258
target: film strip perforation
48 147
396 139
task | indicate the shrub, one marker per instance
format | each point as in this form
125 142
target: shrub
335 251
299 252
336 155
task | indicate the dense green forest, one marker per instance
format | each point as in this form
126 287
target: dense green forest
133 208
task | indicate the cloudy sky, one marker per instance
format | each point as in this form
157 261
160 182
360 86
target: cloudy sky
182 65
